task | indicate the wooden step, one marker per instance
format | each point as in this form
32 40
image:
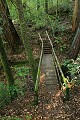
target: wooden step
46 43
44 48
48 51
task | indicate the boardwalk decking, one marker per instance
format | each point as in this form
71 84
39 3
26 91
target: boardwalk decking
48 86
48 69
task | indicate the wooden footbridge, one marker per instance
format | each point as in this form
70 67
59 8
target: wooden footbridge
49 72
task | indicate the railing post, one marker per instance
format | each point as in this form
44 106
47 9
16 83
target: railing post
36 98
67 94
60 72
36 90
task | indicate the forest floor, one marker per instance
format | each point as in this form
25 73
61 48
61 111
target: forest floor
49 107
56 109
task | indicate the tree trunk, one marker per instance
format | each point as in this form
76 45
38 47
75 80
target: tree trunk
26 38
76 16
75 45
7 70
38 4
57 9
9 30
46 6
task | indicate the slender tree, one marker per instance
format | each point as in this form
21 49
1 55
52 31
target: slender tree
9 30
38 4
75 47
7 70
25 38
76 15
46 6
57 9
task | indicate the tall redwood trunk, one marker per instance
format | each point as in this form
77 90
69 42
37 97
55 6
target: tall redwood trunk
9 30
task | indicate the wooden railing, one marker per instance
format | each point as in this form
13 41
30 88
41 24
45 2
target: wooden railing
63 82
38 73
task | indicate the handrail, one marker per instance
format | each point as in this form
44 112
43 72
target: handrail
38 73
59 70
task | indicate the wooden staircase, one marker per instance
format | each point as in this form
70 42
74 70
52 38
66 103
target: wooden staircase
50 82
46 47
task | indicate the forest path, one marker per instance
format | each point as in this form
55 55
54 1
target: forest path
50 106
48 69
48 86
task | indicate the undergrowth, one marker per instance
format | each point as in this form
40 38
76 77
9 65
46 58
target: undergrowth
38 17
21 77
73 69
27 117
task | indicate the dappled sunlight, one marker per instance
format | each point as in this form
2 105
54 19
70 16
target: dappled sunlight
42 78
48 107
58 93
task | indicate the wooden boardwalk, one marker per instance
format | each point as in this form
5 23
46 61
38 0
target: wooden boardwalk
49 73
48 79
48 69
48 86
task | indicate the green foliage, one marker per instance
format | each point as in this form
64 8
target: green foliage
40 20
65 6
21 71
10 118
1 30
28 117
62 45
0 63
20 85
4 94
38 17
55 25
72 66
12 9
